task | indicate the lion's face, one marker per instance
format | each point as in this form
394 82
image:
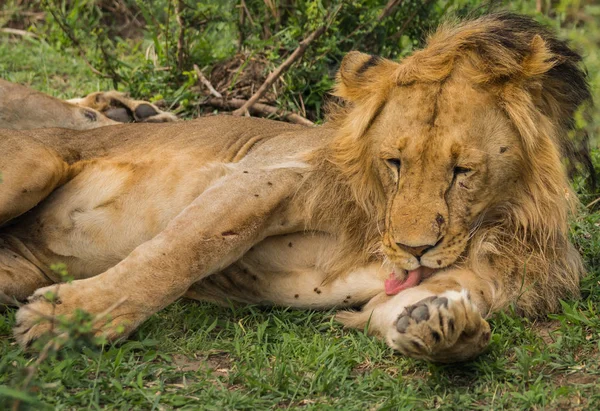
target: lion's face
443 154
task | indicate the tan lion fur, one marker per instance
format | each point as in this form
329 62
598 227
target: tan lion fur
527 235
446 166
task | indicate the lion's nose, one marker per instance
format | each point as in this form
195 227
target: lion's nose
416 251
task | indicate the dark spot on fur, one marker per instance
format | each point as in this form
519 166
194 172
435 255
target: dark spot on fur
245 172
269 183
228 233
254 277
290 244
24 191
348 297
439 262
255 195
503 149
316 290
296 295
90 115
345 301
440 219
245 270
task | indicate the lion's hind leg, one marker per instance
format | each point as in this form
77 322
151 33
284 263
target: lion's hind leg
19 277
29 172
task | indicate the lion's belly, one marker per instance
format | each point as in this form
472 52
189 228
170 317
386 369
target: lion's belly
291 270
112 206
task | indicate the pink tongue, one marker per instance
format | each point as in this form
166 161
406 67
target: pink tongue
393 286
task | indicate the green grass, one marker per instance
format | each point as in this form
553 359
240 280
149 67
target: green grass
199 356
34 63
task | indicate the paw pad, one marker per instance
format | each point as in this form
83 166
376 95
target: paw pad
420 313
402 324
440 302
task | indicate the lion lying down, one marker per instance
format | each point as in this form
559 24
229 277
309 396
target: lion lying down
443 170
22 108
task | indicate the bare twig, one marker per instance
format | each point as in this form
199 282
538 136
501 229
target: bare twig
258 109
297 54
17 32
385 12
207 83
53 344
596 201
247 12
181 38
76 43
167 31
409 20
110 309
388 9
241 27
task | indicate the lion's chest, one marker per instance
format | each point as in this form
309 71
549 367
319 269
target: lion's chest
292 270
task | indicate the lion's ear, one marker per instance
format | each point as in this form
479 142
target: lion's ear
540 59
360 75
549 83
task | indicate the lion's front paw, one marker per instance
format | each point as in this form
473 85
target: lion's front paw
444 328
50 308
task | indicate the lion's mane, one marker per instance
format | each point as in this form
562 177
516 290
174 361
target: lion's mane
538 82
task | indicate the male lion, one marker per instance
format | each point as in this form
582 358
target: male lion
22 108
443 169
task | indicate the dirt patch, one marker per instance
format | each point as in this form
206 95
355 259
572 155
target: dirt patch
218 363
393 371
545 329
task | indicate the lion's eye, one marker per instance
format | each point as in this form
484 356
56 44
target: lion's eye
394 163
461 170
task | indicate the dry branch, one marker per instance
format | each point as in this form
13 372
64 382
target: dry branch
407 22
279 70
181 38
76 44
388 9
207 83
258 109
17 32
